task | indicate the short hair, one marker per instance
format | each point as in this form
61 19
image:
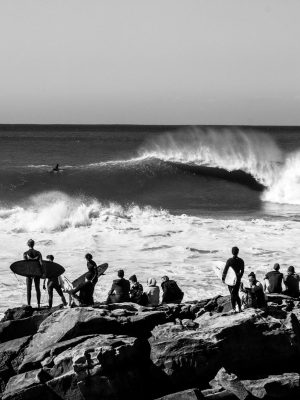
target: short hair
50 257
276 267
121 273
89 256
165 278
89 276
30 243
133 278
235 251
291 269
252 274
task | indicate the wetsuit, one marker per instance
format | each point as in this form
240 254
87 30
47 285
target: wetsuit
237 264
255 296
275 281
53 283
119 292
92 267
171 292
33 254
86 291
292 285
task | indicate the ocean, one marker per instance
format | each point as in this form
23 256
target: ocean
152 200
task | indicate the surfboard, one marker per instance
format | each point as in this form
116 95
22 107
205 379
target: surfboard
33 268
230 279
101 269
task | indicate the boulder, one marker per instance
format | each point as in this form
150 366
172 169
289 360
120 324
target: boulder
34 360
245 343
26 386
189 394
13 329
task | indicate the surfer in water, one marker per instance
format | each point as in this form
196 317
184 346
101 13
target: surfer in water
237 264
56 168
53 283
33 254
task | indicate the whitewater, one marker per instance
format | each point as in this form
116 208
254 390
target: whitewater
163 203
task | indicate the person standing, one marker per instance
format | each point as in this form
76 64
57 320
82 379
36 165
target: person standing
92 267
30 255
238 265
53 283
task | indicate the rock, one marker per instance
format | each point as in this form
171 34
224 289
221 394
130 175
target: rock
33 360
244 343
21 383
65 387
189 394
189 324
143 323
275 386
17 313
232 384
22 327
8 353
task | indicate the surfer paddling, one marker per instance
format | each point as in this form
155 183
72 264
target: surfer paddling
33 254
237 264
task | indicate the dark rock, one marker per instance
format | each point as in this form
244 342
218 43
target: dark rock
33 360
189 394
232 384
14 329
17 313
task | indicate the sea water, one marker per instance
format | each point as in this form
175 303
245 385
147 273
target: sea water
153 201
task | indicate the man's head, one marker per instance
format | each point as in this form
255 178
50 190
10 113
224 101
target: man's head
88 256
235 251
252 277
50 257
291 270
165 278
89 277
276 267
121 273
30 243
133 279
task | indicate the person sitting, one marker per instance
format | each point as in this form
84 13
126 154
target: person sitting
171 292
273 280
152 292
254 294
31 255
291 281
86 291
119 292
136 290
53 283
92 267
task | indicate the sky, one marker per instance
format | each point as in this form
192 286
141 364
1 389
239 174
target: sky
150 62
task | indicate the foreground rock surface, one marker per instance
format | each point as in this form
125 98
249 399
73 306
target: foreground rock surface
189 351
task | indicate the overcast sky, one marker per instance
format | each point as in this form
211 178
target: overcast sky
150 62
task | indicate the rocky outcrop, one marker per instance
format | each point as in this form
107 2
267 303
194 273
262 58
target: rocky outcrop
187 351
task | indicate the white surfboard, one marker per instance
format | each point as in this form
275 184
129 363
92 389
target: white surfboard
230 279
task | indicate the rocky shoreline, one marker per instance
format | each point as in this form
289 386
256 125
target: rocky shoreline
195 350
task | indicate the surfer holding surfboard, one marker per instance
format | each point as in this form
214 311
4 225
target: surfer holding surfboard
33 254
236 264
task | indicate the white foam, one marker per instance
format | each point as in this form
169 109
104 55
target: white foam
70 227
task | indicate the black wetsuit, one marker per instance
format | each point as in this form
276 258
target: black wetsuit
275 281
119 292
86 292
92 267
171 292
53 283
237 264
33 254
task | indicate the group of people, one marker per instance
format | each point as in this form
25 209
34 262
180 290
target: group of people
122 290
254 293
